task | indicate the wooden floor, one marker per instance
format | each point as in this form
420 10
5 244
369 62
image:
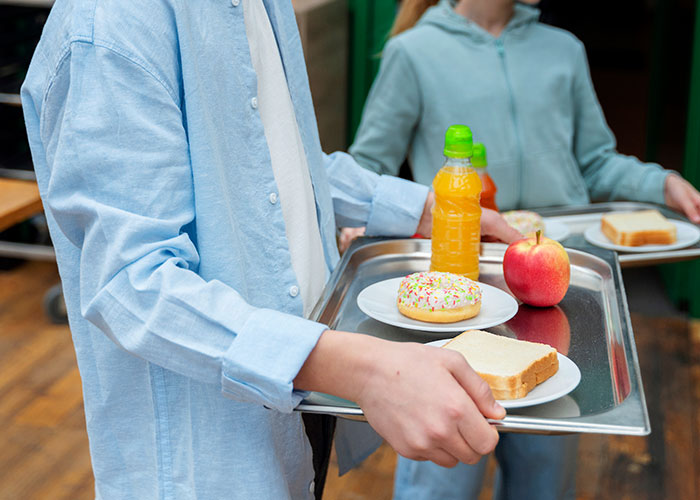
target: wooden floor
44 452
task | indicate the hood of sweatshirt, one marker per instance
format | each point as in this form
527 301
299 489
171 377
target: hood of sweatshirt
444 17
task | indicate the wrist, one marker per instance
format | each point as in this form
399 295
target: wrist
341 364
668 189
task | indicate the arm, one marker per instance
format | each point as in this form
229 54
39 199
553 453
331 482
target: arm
608 174
493 226
387 205
390 115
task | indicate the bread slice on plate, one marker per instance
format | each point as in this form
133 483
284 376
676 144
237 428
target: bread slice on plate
511 367
633 229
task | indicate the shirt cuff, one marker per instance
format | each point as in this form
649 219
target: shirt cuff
651 187
265 357
397 207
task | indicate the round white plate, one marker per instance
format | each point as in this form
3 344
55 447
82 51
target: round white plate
686 234
555 230
378 301
560 384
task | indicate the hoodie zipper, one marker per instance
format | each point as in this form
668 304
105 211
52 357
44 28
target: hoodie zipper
513 115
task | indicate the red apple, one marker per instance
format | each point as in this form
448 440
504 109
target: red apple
537 270
546 325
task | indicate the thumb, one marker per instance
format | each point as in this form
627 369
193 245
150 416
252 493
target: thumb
479 391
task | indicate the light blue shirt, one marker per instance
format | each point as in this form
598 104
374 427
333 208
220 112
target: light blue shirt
163 209
527 95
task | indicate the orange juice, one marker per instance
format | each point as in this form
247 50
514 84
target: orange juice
456 213
488 191
488 195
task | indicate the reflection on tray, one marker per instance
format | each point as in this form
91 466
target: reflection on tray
546 325
319 398
564 407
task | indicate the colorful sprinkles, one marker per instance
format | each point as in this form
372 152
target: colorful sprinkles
438 291
524 221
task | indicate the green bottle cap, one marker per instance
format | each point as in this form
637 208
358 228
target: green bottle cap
479 158
458 142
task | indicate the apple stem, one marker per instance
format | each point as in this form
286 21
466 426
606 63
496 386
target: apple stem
538 235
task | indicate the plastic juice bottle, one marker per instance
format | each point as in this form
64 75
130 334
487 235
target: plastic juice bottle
456 213
488 191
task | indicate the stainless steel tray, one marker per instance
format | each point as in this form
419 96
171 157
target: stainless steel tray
610 397
578 219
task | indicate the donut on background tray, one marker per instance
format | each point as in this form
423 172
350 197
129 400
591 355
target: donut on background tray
525 221
438 297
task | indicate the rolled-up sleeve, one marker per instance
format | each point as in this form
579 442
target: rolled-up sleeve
386 205
120 189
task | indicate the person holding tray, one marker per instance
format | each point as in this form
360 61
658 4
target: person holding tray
193 216
525 91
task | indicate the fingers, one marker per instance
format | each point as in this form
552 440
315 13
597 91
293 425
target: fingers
459 434
691 208
494 225
477 388
478 436
481 436
690 202
680 194
347 235
441 457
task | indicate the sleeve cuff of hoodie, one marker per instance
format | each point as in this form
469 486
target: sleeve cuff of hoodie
397 207
260 365
652 186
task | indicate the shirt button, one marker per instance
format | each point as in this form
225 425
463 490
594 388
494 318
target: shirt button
254 103
273 198
312 487
294 291
235 3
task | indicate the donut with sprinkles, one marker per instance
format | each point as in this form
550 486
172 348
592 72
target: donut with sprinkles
438 297
525 221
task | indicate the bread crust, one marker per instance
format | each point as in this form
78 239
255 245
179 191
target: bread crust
518 385
442 315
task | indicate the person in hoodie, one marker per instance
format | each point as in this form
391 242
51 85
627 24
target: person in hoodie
524 89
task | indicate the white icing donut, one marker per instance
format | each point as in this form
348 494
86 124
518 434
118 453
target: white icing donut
438 297
525 221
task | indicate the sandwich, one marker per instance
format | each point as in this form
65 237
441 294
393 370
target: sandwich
646 227
511 367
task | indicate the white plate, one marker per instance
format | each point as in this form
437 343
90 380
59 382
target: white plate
378 301
686 234
560 384
555 230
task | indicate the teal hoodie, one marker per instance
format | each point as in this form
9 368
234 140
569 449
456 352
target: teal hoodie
527 95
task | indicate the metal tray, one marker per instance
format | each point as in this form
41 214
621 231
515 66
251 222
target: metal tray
578 219
610 397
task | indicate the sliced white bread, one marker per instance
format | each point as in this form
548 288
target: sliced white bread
633 229
511 367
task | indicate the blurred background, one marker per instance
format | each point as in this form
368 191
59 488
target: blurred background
645 64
